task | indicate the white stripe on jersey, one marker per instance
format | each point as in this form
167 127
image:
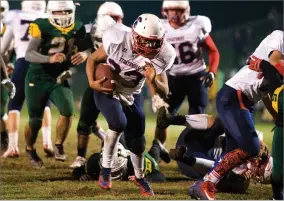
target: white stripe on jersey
186 41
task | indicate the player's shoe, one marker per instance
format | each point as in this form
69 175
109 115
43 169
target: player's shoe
159 151
12 152
79 162
35 160
105 178
203 190
178 153
64 76
48 149
59 154
144 186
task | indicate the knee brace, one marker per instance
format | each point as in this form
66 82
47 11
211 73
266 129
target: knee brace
137 145
35 124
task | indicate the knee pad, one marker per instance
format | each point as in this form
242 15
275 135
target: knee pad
137 145
35 123
119 125
83 128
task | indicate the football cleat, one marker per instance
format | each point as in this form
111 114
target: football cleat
35 160
158 151
48 149
79 162
203 190
59 154
105 178
144 186
12 152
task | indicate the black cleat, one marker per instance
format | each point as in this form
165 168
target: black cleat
35 160
158 151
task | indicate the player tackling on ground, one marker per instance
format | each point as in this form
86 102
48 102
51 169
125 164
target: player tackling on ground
136 55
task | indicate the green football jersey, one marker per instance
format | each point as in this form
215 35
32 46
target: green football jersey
56 40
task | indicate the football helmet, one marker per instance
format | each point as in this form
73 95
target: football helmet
65 20
178 5
33 6
101 24
112 9
4 8
148 35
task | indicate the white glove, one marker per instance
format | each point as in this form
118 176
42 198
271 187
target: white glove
218 147
158 102
64 76
10 87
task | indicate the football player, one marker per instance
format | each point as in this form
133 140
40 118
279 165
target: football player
137 55
189 35
107 13
235 103
56 44
17 29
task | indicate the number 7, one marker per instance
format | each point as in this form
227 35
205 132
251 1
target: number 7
26 36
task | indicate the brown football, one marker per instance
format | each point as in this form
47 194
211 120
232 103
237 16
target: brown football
104 70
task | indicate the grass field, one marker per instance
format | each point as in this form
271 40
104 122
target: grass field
19 181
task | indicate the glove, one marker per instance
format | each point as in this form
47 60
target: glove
157 103
254 63
63 76
218 147
208 79
10 87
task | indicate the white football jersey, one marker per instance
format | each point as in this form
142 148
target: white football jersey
186 41
19 22
117 42
247 80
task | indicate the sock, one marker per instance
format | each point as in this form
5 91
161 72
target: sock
199 121
231 160
110 147
13 139
138 164
82 152
60 148
46 135
178 120
188 160
100 134
202 162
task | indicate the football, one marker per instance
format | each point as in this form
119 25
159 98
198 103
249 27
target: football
104 70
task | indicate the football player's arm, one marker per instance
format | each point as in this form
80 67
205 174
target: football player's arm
96 57
213 54
159 85
32 54
268 104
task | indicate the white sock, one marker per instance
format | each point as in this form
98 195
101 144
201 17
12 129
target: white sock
213 177
13 139
110 147
46 135
202 162
198 121
138 164
100 134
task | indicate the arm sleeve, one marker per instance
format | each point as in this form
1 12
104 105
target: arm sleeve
6 40
213 54
32 54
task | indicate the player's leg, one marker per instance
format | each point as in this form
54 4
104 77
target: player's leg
239 122
62 97
15 106
135 141
46 131
176 84
197 95
37 97
3 121
112 110
88 115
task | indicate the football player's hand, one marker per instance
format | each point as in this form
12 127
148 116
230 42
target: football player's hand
158 102
208 79
57 58
149 72
254 63
98 86
10 87
79 58
218 147
10 68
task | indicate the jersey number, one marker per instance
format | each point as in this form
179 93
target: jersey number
26 36
58 45
186 55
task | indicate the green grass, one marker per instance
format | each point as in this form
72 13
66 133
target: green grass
19 181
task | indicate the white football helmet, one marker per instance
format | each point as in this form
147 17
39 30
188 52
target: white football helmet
183 5
33 6
4 8
112 9
65 20
98 28
148 35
